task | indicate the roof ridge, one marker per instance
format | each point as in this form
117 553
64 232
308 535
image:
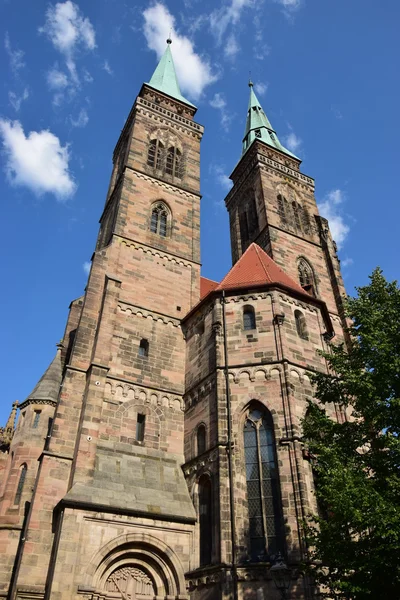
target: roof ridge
267 275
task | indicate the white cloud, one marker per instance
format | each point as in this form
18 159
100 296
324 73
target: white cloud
231 47
56 79
261 88
37 161
194 71
107 68
222 178
16 100
15 56
226 16
82 120
289 6
346 262
219 103
87 76
86 267
293 142
330 208
68 30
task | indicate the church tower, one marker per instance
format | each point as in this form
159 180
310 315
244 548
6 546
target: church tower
252 343
107 513
160 456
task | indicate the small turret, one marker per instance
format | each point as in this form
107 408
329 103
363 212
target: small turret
7 432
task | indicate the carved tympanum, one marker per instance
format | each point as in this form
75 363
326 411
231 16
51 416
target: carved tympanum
131 583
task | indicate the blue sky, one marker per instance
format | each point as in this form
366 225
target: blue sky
325 72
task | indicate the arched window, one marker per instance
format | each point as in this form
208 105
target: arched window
306 276
20 487
173 164
263 495
159 220
205 520
144 347
301 326
249 318
155 154
201 439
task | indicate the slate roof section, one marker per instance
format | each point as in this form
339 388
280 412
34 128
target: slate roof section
256 268
48 386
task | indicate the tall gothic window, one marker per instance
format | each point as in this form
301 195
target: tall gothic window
201 439
306 276
174 162
159 219
249 318
21 481
155 154
301 326
205 519
296 215
263 497
305 220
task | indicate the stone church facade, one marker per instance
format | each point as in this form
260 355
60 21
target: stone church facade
160 455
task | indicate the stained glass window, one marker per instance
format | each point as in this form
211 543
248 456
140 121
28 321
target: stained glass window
21 482
263 498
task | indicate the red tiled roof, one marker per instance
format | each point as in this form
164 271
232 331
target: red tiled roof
206 286
256 268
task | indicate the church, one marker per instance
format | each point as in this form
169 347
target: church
160 456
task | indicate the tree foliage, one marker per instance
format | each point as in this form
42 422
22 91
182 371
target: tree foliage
355 540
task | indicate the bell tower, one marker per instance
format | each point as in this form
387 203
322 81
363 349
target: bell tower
109 486
272 203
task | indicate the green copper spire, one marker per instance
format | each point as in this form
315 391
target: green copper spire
164 77
259 128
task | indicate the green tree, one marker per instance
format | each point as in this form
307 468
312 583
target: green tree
355 540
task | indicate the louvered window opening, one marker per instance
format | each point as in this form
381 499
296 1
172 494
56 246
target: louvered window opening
159 220
173 163
263 496
155 154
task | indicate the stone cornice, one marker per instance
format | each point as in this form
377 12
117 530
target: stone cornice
175 258
28 401
131 309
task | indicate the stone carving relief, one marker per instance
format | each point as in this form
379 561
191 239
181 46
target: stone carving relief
132 583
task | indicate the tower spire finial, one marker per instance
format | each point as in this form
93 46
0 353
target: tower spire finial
258 126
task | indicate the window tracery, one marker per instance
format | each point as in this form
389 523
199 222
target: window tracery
130 582
159 219
263 495
173 163
306 277
155 154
